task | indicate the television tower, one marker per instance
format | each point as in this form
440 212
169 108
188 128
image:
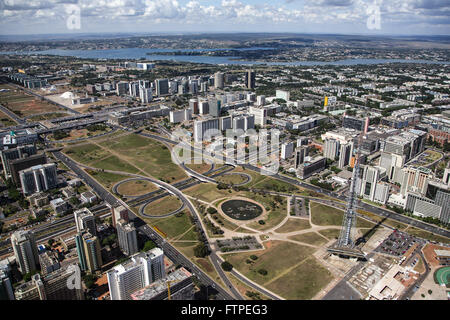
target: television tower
345 245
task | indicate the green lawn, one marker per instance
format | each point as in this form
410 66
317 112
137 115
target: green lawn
310 238
172 226
148 155
427 235
276 259
324 215
163 206
303 282
108 179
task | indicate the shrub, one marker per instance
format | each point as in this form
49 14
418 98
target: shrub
227 266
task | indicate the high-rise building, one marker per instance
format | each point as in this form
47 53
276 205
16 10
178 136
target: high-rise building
219 79
51 287
203 107
260 100
122 88
10 155
38 178
181 287
24 163
126 234
89 251
250 79
146 95
6 288
193 105
415 180
202 127
214 107
85 221
370 177
331 149
118 213
25 250
140 271
345 154
300 154
162 87
287 149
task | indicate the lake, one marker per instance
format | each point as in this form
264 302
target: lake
139 53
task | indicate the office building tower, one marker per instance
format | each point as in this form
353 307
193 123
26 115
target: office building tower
122 88
133 89
225 123
38 178
219 79
162 87
85 221
146 95
287 149
126 234
49 262
118 213
12 154
331 149
311 166
89 252
51 287
446 177
24 163
415 180
300 154
250 79
193 105
6 288
369 181
181 287
260 100
214 107
203 107
140 271
25 250
203 127
345 154
204 87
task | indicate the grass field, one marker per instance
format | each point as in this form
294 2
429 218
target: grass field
303 282
163 206
108 179
6 121
291 270
136 187
24 104
275 215
277 258
427 235
48 116
148 155
232 179
294 225
310 238
172 226
324 215
330 233
208 192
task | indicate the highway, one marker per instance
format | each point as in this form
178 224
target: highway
169 250
373 209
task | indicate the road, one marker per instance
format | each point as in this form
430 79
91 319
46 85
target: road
365 206
169 250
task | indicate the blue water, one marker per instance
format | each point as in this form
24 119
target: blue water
139 53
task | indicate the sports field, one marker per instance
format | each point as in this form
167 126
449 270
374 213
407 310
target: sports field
442 276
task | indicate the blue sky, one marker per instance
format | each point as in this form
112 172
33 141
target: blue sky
309 16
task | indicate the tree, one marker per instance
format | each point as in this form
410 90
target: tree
51 242
149 245
227 266
201 251
262 272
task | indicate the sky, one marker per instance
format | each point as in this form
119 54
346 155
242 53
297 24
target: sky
428 17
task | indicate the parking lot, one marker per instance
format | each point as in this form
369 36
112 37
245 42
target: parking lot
397 243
